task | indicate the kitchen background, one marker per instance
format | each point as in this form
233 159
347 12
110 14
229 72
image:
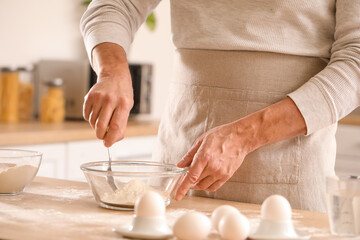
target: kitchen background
49 29
32 31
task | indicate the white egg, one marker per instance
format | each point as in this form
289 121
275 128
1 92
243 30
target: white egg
221 212
150 204
192 226
234 226
276 208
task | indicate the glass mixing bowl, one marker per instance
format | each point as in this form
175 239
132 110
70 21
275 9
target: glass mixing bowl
17 169
119 188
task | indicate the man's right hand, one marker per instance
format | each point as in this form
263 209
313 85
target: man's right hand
108 103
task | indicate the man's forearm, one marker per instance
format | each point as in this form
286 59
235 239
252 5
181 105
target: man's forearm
275 123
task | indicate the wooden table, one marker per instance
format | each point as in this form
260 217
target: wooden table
60 209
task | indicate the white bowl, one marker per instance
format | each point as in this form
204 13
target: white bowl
146 228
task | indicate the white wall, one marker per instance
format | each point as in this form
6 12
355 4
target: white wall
32 30
49 29
156 47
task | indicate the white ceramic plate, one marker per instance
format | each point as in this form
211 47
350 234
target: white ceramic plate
127 231
302 235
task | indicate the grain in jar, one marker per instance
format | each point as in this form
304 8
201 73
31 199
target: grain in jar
52 107
26 93
9 95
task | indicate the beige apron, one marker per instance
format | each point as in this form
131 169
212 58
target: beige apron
210 88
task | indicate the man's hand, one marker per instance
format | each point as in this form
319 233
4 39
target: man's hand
214 158
218 153
108 103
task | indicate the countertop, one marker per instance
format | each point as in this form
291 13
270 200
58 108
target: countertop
61 209
36 132
352 119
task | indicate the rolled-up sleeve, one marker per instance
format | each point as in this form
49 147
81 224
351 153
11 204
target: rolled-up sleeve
114 21
335 91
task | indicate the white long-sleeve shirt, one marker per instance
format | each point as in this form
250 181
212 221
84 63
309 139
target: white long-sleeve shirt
328 29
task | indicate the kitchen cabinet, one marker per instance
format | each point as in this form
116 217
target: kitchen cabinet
131 148
53 159
63 160
348 150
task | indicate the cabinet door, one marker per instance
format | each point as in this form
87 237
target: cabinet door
134 148
130 148
348 150
53 160
80 152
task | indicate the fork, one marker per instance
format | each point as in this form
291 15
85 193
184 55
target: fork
109 177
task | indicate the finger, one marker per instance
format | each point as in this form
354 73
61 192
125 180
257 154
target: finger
189 181
206 182
87 106
215 186
103 121
195 187
94 114
189 156
191 177
117 127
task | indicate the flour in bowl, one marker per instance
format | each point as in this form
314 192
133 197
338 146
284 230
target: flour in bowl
128 194
14 178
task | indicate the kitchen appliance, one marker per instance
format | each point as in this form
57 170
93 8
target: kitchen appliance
76 83
79 77
141 75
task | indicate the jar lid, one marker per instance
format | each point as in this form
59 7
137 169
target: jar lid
7 69
28 68
56 82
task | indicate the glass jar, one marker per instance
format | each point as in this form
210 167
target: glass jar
343 202
26 93
9 97
52 107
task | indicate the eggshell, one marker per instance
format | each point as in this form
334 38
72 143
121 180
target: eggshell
221 212
192 226
234 226
150 204
276 208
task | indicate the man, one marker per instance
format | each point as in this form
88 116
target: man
257 90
